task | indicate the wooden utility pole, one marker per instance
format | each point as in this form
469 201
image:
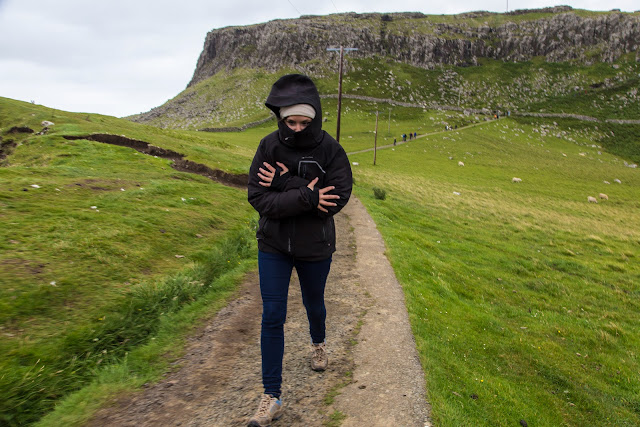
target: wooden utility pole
339 95
375 141
342 49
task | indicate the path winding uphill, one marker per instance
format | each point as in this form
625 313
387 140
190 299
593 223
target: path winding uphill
366 150
218 379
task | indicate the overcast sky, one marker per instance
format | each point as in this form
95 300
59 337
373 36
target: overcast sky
122 57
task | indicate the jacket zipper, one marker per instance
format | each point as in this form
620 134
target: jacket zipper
292 233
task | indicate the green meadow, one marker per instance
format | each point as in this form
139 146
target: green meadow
108 255
523 297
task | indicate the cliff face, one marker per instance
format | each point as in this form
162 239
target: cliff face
425 41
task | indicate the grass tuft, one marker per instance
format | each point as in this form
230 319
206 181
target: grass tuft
379 193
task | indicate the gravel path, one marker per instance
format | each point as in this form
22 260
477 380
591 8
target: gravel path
371 350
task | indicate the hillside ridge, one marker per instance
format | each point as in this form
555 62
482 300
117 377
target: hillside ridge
558 34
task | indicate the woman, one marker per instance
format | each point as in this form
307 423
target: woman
299 178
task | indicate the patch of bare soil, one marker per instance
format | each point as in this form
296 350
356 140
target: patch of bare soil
218 382
6 147
21 129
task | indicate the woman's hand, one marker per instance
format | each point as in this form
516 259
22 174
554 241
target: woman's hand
324 197
267 175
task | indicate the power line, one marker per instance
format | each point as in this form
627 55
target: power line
294 7
334 5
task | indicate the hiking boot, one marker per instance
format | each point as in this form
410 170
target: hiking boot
270 409
319 358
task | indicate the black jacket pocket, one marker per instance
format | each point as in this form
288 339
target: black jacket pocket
309 169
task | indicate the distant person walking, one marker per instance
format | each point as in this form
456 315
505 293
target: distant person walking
299 179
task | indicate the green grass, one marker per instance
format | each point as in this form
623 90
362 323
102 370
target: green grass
523 298
99 245
335 419
617 100
147 362
213 149
620 140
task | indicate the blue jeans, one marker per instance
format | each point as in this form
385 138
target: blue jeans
275 274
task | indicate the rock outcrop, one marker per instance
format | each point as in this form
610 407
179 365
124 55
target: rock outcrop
420 40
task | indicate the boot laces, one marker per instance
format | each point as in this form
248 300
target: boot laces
318 353
265 403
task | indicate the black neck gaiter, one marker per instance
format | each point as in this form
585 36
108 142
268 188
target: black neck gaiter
298 140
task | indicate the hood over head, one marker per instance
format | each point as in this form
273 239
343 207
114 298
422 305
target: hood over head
294 89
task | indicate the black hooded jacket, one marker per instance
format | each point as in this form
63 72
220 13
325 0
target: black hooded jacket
290 222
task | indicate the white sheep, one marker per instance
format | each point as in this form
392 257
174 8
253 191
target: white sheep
47 123
592 199
460 164
618 181
606 182
514 179
603 196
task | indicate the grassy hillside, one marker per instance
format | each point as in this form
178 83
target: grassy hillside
523 297
103 249
601 90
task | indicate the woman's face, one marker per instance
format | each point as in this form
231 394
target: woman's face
297 123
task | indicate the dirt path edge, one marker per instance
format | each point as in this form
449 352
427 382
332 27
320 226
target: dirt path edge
388 386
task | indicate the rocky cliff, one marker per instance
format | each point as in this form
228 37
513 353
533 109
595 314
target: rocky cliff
559 34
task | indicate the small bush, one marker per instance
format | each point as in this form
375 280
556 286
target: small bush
379 193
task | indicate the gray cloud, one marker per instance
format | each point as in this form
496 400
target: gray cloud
122 57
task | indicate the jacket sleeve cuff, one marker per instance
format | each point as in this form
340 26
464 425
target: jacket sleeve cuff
279 182
295 182
314 197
